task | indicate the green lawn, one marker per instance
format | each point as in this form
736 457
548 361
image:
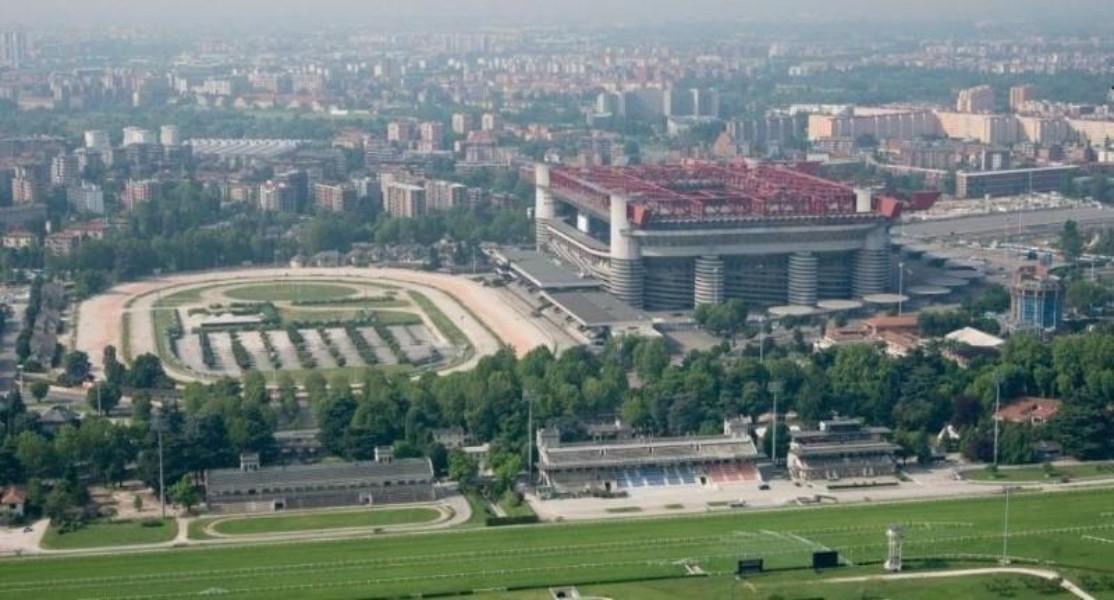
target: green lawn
324 314
288 291
110 533
1043 526
442 322
325 520
1038 472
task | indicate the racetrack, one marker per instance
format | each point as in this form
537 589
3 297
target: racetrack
479 312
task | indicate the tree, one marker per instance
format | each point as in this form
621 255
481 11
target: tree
1084 296
147 373
114 371
1071 241
75 367
183 493
462 467
103 397
39 390
1084 432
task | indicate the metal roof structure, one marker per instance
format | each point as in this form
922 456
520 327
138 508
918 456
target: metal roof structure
701 191
227 481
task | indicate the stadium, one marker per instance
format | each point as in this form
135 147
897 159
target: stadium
674 236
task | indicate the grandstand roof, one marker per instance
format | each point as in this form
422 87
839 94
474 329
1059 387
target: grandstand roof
867 446
700 191
648 450
224 481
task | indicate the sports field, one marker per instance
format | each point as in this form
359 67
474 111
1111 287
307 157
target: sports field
279 292
1073 530
324 520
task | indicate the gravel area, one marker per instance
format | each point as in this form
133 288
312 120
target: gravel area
318 349
222 348
253 342
382 350
416 350
347 348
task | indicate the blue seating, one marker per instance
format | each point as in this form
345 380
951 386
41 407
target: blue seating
687 475
654 476
672 477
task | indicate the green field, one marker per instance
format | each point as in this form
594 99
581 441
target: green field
442 322
325 520
301 314
1039 473
110 533
289 291
1049 527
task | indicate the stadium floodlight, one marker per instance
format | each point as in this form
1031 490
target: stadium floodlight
895 536
1006 529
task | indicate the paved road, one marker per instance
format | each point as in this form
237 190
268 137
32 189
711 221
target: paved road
1042 573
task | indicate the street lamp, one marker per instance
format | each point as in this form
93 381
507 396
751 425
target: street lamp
900 285
158 425
775 388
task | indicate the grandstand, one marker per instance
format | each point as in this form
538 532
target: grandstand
630 464
254 489
842 450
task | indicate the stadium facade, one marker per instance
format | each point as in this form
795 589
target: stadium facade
672 237
623 465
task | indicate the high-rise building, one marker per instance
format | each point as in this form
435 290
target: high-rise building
979 99
86 197
404 200
462 123
334 197
1036 300
138 191
401 131
97 139
138 135
432 136
64 170
170 135
1019 95
277 196
444 195
491 122
15 48
27 185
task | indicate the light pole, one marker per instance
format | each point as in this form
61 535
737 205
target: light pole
1006 530
900 285
775 389
997 415
157 424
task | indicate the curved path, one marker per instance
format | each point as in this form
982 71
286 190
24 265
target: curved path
1041 573
455 511
479 312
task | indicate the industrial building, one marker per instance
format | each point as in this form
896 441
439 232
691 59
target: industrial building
673 237
1011 182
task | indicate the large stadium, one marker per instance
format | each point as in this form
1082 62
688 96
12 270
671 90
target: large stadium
209 325
671 237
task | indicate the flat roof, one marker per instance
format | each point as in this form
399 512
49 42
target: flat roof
885 298
545 272
596 308
791 310
838 305
223 481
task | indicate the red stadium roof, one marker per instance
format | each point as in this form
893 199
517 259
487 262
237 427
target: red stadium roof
703 191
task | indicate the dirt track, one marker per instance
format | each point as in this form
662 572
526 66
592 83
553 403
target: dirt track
460 299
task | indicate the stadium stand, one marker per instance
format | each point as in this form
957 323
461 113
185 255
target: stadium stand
635 463
252 488
842 449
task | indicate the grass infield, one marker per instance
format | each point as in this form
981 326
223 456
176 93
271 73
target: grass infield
1095 470
289 291
1057 527
324 520
99 534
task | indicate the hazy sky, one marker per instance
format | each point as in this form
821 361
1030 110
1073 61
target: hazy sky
39 13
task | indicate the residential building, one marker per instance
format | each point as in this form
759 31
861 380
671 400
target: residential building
138 135
18 238
86 197
979 99
1019 95
462 123
491 122
432 136
404 200
64 170
138 191
277 196
444 195
1010 182
334 197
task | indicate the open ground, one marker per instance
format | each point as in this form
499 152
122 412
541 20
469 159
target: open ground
132 316
1060 530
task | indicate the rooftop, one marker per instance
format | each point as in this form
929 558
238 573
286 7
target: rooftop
220 481
700 191
543 271
596 308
